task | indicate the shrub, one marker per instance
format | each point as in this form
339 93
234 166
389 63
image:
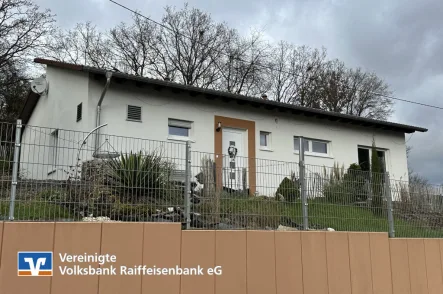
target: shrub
346 187
53 195
289 189
356 179
139 174
5 166
376 181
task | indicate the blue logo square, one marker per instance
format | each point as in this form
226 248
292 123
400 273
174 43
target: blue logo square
34 263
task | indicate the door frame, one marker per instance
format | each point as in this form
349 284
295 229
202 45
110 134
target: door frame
218 147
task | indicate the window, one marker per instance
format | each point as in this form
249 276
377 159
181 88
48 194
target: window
265 140
179 128
297 144
79 112
319 147
365 158
53 147
134 113
313 146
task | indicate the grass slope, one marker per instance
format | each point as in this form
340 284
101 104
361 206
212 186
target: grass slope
257 213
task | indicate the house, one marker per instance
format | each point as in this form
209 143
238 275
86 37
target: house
265 133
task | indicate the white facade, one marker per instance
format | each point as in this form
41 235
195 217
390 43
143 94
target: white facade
68 88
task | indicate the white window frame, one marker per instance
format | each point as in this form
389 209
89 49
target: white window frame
369 148
181 123
268 146
328 154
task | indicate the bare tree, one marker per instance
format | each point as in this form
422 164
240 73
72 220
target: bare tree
332 87
367 95
242 66
84 44
191 43
133 45
13 90
189 47
23 28
351 91
293 72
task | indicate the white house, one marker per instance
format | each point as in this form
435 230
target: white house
167 114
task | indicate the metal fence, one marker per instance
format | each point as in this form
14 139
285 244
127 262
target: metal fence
49 174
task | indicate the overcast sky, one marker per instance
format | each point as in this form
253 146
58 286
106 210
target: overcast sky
401 40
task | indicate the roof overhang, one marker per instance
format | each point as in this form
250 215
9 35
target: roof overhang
227 97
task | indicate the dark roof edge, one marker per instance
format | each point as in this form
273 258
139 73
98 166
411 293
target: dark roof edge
305 110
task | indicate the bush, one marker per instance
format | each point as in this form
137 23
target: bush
356 179
53 195
139 174
346 187
289 189
377 182
5 166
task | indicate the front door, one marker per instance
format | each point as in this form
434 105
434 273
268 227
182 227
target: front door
234 159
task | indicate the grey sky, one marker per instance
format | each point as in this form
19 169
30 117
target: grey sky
402 41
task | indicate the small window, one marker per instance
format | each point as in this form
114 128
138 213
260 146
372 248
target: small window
79 112
134 113
297 144
265 139
179 128
54 147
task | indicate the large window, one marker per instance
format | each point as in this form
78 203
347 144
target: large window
313 146
365 158
179 128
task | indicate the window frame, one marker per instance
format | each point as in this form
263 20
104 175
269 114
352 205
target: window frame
310 149
180 123
268 145
379 149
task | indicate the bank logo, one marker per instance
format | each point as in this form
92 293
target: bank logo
34 263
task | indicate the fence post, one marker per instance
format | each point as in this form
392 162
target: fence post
389 204
188 186
18 132
302 180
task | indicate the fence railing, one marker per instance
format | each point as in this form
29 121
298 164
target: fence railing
49 174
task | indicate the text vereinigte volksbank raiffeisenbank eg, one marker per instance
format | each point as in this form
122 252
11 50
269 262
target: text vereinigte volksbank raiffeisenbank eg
106 264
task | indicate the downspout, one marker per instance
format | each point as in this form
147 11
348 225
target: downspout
99 105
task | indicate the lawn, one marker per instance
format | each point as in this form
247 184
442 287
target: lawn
262 213
35 210
257 213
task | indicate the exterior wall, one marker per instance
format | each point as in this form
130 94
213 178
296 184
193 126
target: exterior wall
69 88
158 106
56 110
256 262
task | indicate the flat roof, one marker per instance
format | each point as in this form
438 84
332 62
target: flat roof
227 97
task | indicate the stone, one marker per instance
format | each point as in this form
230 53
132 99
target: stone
280 197
223 226
98 219
284 228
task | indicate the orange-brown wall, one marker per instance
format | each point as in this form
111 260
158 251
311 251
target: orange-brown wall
256 262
